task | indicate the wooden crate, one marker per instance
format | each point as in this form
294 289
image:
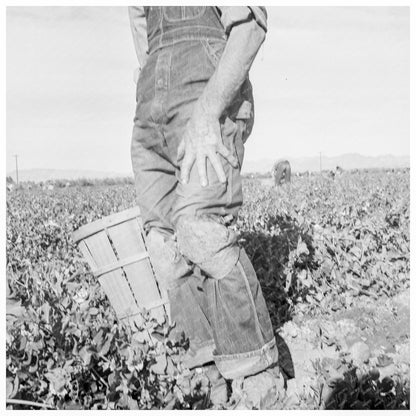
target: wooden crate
115 250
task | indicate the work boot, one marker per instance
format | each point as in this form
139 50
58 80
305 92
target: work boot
260 391
217 384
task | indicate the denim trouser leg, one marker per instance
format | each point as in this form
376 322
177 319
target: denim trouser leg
243 334
176 278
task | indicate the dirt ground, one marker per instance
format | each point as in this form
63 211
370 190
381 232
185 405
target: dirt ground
374 337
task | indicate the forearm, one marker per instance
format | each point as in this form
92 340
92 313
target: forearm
242 46
202 138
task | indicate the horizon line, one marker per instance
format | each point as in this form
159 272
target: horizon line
245 160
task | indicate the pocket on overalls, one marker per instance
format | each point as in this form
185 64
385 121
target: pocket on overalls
139 88
181 13
239 140
213 50
231 136
245 119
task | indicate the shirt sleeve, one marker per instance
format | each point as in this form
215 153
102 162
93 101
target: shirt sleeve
139 32
232 15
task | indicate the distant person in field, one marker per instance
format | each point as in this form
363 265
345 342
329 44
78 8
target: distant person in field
281 172
194 112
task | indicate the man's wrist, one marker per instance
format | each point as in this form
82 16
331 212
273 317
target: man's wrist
210 110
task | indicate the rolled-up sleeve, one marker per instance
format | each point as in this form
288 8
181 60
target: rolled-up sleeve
232 15
139 32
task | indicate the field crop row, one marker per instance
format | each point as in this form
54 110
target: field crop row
319 246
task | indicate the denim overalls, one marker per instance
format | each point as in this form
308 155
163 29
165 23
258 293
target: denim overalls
215 297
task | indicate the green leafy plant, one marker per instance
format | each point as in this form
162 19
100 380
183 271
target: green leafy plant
318 246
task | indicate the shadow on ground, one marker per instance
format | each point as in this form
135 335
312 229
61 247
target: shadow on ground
269 252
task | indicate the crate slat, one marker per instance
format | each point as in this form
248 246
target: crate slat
109 221
121 263
128 241
87 255
114 283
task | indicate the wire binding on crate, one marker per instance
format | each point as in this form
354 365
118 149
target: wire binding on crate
117 265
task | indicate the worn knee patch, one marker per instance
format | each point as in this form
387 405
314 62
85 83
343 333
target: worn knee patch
207 243
168 263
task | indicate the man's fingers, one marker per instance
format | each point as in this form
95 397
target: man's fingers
224 152
202 169
216 163
189 159
181 150
186 166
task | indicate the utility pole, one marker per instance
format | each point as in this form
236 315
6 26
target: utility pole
17 170
320 162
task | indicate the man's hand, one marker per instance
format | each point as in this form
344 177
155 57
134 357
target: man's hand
202 139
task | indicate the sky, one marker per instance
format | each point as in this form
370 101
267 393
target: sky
327 79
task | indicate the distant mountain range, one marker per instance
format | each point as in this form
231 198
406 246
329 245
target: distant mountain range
346 161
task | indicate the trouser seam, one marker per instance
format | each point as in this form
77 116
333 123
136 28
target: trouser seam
253 305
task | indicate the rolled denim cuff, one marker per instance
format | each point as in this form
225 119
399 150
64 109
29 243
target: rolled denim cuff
232 366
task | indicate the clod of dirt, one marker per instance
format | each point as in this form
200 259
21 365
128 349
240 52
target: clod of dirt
384 360
374 373
360 352
262 390
219 394
387 371
291 329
